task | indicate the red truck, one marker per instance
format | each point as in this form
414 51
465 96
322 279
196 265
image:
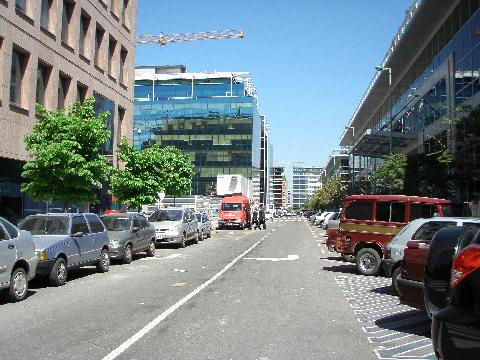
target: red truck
234 212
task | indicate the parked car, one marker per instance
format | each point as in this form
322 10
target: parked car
204 225
327 218
129 233
175 226
369 222
332 232
320 217
17 259
313 217
395 249
456 326
268 215
411 281
67 241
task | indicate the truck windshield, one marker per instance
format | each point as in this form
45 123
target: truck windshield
46 225
166 215
116 223
232 207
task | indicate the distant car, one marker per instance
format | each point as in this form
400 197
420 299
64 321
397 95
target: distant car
320 218
268 215
66 241
129 233
18 260
175 226
327 219
204 226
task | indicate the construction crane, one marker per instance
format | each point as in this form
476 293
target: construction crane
164 39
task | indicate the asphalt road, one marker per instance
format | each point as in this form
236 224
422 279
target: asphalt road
239 295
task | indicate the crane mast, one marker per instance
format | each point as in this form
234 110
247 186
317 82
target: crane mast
164 39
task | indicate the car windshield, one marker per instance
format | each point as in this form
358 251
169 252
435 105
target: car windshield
116 223
166 215
46 225
232 207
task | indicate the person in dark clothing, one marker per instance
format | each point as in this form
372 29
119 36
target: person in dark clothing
249 218
255 218
261 217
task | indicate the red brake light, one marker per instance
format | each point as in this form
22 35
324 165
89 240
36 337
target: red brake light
464 263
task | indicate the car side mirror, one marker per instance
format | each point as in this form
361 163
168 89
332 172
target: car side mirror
78 234
135 229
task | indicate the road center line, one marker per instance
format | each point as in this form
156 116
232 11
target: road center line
132 340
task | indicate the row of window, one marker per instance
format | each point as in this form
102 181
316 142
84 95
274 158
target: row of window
107 53
389 211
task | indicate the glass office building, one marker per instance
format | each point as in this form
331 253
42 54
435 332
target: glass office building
211 116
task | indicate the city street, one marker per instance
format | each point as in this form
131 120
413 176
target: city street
273 294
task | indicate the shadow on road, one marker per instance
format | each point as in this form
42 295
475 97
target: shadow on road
4 300
346 269
414 322
385 290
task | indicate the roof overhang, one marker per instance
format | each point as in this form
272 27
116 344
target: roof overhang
378 145
402 53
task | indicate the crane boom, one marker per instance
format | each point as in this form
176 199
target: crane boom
164 39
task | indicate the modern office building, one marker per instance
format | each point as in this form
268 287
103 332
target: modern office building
211 116
428 109
306 182
278 188
266 155
54 53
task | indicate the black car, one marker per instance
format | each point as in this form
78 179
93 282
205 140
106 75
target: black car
452 293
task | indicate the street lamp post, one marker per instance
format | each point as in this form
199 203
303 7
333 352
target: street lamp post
353 157
380 69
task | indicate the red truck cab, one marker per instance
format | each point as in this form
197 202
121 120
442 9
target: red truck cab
234 212
369 222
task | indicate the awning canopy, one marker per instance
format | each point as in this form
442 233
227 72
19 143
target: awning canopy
378 145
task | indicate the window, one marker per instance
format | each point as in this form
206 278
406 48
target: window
43 76
121 117
418 211
79 224
137 223
67 11
391 212
99 34
17 75
360 210
12 230
123 66
126 13
63 88
95 224
83 43
112 44
3 234
45 14
21 5
427 230
81 92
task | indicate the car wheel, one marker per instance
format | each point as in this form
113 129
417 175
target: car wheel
196 238
151 249
127 255
58 275
209 234
18 285
201 235
368 262
104 262
395 276
182 244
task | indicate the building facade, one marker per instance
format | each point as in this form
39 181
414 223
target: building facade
211 116
54 52
306 182
278 188
434 117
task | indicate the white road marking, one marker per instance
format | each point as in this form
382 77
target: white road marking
289 258
171 256
132 340
180 270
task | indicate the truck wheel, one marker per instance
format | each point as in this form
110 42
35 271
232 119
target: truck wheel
368 262
395 276
58 275
18 285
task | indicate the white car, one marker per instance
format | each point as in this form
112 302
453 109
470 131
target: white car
327 219
268 215
320 218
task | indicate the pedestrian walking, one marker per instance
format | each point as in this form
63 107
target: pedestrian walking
255 218
261 217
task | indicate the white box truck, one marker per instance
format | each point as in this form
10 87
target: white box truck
231 184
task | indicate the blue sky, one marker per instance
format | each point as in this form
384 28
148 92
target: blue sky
311 60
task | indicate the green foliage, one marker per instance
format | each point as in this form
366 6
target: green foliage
389 178
328 197
66 147
150 171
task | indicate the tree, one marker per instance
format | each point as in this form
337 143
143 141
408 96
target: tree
177 172
139 182
150 171
329 196
389 178
66 147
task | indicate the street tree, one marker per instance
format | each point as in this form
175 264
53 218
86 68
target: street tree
65 146
138 182
177 172
389 178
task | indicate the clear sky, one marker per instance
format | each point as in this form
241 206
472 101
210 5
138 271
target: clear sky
311 60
